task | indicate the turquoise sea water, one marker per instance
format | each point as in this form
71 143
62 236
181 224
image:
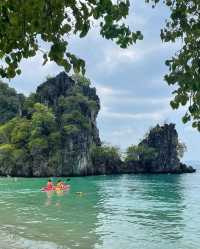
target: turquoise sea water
115 212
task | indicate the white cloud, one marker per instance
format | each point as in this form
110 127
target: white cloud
109 95
114 57
156 116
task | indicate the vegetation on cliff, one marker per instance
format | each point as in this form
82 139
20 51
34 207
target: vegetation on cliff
10 102
45 134
53 132
27 140
145 152
159 152
140 152
106 159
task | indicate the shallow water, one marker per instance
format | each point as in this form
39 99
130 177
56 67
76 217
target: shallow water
114 212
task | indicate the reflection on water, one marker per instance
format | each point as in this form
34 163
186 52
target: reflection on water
58 193
105 212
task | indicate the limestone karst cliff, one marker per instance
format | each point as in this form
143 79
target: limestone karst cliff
53 132
76 107
159 152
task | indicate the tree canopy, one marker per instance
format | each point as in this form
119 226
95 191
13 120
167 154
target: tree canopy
28 26
184 66
106 156
140 152
10 102
104 153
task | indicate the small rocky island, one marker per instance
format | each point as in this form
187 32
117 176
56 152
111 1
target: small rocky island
53 132
159 152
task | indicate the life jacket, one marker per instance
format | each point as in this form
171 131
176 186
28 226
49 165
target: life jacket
49 185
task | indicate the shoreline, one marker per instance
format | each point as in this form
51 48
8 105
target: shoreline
113 174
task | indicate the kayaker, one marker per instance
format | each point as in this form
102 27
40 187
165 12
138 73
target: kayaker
50 184
60 185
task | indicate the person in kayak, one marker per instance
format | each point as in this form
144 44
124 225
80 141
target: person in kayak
50 184
60 184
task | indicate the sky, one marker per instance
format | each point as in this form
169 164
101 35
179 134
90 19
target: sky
129 82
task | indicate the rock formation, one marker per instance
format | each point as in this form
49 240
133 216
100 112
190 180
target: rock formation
164 141
53 132
75 152
58 144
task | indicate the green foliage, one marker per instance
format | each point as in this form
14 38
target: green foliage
21 137
105 154
132 153
28 105
77 102
38 145
26 26
76 118
37 136
81 79
6 131
75 111
71 130
181 149
43 121
19 155
184 66
14 137
54 139
6 149
6 157
140 152
10 102
20 132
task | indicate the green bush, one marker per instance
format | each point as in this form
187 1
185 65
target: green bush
140 152
105 154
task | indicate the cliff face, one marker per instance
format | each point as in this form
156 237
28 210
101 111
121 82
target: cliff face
10 103
67 98
163 141
54 133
